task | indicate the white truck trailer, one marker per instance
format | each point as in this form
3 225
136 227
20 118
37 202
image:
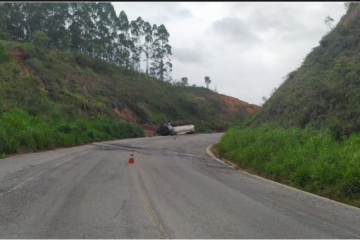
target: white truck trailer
166 129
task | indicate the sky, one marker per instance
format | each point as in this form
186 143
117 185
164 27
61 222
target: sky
246 48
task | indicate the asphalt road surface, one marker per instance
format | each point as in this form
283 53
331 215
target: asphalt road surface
173 190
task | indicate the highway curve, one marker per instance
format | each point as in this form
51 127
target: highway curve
173 190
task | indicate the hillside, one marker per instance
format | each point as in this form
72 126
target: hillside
84 60
40 81
324 91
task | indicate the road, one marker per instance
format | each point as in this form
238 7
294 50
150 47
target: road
173 190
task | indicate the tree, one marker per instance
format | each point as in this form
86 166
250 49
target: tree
184 81
3 53
40 39
56 26
264 99
123 57
88 16
104 13
91 28
328 21
160 66
207 81
16 25
137 32
65 42
3 22
148 43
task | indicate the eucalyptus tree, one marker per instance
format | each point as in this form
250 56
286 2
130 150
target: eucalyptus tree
161 65
111 25
92 28
123 52
15 21
3 19
55 25
207 81
147 43
136 35
87 27
75 28
103 39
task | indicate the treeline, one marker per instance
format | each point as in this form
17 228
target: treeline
92 28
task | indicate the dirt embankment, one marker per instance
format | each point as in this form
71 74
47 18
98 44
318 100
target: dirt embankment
234 103
150 129
20 56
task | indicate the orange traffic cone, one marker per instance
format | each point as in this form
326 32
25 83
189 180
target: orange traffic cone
131 159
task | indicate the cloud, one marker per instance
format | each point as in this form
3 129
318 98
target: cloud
233 28
184 13
245 47
197 54
187 55
155 13
278 21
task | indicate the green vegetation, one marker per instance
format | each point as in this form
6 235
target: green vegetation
3 53
307 133
82 61
87 94
323 91
207 81
307 159
92 28
21 131
70 73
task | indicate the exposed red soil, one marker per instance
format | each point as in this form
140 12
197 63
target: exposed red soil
233 104
150 129
17 54
127 114
20 56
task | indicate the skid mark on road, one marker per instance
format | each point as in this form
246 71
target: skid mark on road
38 174
121 208
146 204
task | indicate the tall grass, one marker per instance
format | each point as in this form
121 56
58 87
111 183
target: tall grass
18 130
307 159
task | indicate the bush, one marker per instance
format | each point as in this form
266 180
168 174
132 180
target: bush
308 159
19 129
4 55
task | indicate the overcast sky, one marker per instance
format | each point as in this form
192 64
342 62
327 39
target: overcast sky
246 48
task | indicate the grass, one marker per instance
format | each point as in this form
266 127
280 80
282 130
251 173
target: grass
306 159
19 131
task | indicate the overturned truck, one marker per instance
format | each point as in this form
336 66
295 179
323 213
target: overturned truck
177 128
